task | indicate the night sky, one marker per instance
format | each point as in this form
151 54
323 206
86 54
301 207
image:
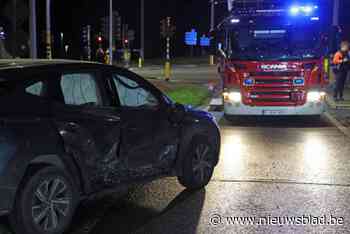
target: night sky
69 16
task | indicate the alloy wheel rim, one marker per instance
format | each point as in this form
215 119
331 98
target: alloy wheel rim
50 204
202 162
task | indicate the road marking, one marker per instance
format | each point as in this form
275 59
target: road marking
216 102
338 124
272 181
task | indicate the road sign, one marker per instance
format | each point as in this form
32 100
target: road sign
191 38
204 41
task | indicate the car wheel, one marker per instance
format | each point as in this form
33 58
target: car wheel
45 204
198 164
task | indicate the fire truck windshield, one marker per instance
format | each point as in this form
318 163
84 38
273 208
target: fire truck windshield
275 44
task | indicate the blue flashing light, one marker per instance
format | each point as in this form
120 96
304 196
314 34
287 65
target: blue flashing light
248 82
308 9
294 10
315 18
305 10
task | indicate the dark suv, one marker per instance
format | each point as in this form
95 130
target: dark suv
72 129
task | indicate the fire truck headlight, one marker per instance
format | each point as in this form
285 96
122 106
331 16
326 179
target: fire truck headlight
233 96
315 96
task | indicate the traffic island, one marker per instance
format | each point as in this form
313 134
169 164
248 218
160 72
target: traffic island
188 93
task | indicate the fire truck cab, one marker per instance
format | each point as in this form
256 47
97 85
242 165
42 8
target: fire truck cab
273 59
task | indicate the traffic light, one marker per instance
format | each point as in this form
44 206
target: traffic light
99 39
85 35
166 28
2 33
125 38
104 27
118 26
163 27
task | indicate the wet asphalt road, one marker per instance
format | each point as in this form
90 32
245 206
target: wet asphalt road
268 168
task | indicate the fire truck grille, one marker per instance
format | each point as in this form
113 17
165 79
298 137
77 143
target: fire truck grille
271 100
273 81
273 88
271 93
276 74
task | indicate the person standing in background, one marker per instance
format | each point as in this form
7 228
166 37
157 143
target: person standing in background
342 63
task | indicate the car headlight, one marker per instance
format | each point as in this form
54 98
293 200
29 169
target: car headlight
315 96
233 96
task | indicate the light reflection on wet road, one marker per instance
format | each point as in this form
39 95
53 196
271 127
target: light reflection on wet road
309 153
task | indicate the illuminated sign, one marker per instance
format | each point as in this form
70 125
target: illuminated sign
204 41
191 38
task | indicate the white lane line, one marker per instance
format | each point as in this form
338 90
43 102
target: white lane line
216 102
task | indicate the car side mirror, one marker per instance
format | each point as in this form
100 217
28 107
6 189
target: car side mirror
177 113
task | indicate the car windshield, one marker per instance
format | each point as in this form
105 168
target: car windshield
275 44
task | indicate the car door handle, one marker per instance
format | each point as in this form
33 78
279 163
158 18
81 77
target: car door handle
72 127
113 119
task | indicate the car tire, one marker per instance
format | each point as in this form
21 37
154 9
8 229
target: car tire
45 203
198 164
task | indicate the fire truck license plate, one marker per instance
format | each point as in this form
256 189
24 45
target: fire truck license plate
272 112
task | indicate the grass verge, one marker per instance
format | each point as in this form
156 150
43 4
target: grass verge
189 94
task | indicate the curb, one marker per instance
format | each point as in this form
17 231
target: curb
338 124
334 105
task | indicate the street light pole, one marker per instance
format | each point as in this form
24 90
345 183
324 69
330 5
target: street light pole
212 15
14 28
142 47
32 29
48 30
111 32
336 5
212 29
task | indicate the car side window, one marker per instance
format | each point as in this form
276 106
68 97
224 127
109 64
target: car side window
80 89
36 89
131 94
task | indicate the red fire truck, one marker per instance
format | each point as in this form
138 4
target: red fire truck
273 59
